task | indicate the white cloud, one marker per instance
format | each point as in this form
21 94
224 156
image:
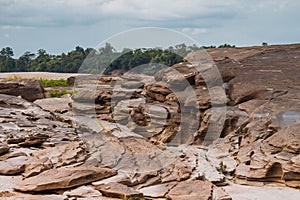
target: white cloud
10 27
194 31
60 24
68 12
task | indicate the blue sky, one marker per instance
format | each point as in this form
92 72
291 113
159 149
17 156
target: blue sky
60 25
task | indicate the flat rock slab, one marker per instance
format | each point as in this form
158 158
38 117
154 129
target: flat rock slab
157 191
15 165
196 190
83 192
63 178
118 190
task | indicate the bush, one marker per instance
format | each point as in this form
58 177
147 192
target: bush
54 83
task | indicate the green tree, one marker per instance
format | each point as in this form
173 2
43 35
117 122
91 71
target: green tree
7 62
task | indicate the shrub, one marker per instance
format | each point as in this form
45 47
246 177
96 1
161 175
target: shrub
54 83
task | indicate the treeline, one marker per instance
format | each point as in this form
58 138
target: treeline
106 57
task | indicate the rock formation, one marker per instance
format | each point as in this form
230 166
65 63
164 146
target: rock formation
28 89
139 137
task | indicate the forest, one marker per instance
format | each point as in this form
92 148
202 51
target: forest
105 57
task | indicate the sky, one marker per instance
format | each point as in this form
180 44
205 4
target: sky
60 25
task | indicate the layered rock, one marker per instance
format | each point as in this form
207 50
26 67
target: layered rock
28 89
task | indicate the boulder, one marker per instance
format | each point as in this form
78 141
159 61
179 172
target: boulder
28 89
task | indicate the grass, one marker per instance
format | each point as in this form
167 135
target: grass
11 78
45 82
59 93
54 83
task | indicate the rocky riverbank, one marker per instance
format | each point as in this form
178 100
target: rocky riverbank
142 137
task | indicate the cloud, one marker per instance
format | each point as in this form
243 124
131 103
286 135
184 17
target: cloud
194 31
10 27
73 12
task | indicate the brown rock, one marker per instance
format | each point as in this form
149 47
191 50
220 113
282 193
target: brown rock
61 155
157 191
220 194
28 89
83 192
198 190
62 178
34 140
37 167
14 165
3 148
118 190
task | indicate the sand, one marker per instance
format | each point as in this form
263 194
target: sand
37 75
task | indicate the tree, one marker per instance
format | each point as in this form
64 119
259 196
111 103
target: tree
226 46
7 52
7 63
22 64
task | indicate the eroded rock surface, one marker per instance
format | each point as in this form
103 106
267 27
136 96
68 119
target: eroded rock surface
139 136
28 89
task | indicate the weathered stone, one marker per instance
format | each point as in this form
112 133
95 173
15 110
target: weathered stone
14 165
34 140
200 190
28 89
132 84
37 166
59 105
118 190
62 178
63 154
83 192
3 148
157 191
220 194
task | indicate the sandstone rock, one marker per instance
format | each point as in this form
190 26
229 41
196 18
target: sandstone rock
62 178
3 148
37 166
118 190
178 74
14 165
83 192
34 140
12 155
60 105
27 89
220 194
8 101
197 189
157 191
61 155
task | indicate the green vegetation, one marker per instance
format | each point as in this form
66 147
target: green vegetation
226 46
14 77
54 83
98 59
59 93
